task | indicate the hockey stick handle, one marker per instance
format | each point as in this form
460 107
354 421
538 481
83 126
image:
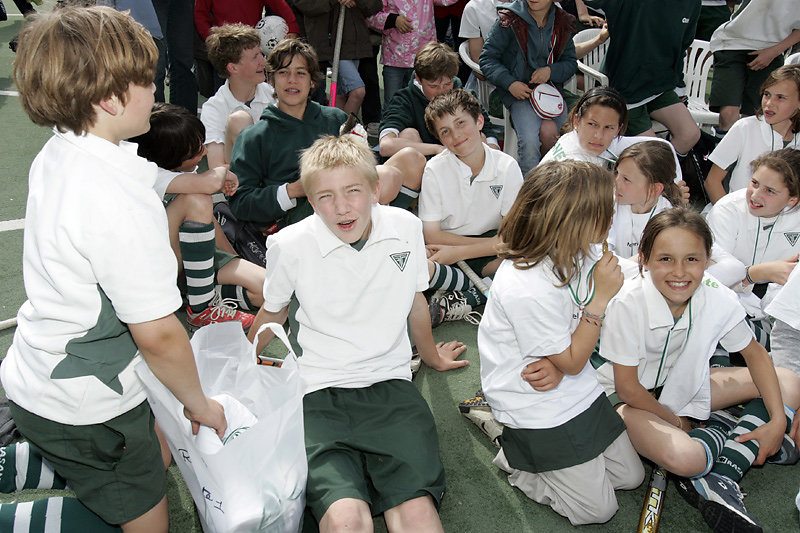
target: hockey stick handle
653 501
337 49
8 324
473 277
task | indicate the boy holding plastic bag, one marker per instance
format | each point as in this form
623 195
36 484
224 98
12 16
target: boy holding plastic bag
357 270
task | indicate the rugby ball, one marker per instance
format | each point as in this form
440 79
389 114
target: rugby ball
272 30
547 101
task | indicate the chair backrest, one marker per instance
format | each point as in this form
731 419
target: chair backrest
792 59
594 58
696 66
484 88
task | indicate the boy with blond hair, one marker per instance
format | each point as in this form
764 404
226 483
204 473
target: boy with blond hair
466 191
99 274
357 271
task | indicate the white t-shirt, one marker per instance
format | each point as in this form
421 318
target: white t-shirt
747 139
784 306
354 305
478 18
627 227
758 25
464 207
569 147
217 109
639 328
526 318
96 258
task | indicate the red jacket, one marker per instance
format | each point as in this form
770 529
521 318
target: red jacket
208 13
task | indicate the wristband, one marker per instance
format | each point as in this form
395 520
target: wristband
747 276
594 316
591 318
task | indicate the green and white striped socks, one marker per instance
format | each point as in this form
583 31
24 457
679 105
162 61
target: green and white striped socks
197 250
22 467
60 515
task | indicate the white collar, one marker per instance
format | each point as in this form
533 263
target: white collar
328 242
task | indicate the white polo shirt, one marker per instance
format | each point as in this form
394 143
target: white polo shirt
751 239
627 227
569 147
96 258
466 206
639 330
526 318
354 305
215 112
478 18
747 139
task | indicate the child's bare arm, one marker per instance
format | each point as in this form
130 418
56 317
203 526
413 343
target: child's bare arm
633 393
713 183
165 347
208 182
391 143
442 356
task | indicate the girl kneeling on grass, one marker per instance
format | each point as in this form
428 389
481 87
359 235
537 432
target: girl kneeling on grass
659 334
563 445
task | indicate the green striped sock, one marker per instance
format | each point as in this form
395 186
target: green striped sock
67 515
239 295
449 278
405 198
736 457
197 248
713 440
23 467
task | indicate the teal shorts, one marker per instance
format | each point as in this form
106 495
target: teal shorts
639 117
377 444
115 468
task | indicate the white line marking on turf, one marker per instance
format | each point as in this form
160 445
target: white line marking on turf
9 93
8 225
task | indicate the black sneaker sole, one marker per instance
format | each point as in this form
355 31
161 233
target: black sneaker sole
687 491
722 520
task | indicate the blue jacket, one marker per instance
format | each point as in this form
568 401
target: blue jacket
503 63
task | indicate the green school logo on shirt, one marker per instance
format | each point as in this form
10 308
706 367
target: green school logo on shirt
496 189
791 236
400 259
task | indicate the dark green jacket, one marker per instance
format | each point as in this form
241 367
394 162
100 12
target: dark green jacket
267 155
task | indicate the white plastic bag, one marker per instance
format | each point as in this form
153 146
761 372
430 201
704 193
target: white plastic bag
256 481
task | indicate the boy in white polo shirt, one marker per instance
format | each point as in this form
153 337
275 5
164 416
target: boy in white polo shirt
466 191
235 52
357 271
99 274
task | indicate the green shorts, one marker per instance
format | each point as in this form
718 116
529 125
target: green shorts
639 117
711 17
377 444
222 258
115 468
736 85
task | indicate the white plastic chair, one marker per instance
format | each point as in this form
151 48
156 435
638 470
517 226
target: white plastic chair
484 91
590 64
696 67
792 59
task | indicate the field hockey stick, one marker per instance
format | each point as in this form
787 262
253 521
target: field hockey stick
8 324
473 277
337 50
653 501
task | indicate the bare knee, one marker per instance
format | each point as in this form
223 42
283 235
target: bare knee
790 387
686 138
237 121
411 164
347 514
418 514
196 207
410 134
391 179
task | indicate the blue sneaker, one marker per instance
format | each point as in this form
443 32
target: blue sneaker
787 455
721 504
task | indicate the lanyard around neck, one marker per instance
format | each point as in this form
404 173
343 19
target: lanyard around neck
584 300
769 238
652 212
666 344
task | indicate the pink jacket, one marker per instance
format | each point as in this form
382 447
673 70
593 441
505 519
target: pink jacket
399 49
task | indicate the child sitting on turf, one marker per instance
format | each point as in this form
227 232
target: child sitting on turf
217 281
563 445
235 52
466 191
403 124
658 336
265 156
357 271
99 275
